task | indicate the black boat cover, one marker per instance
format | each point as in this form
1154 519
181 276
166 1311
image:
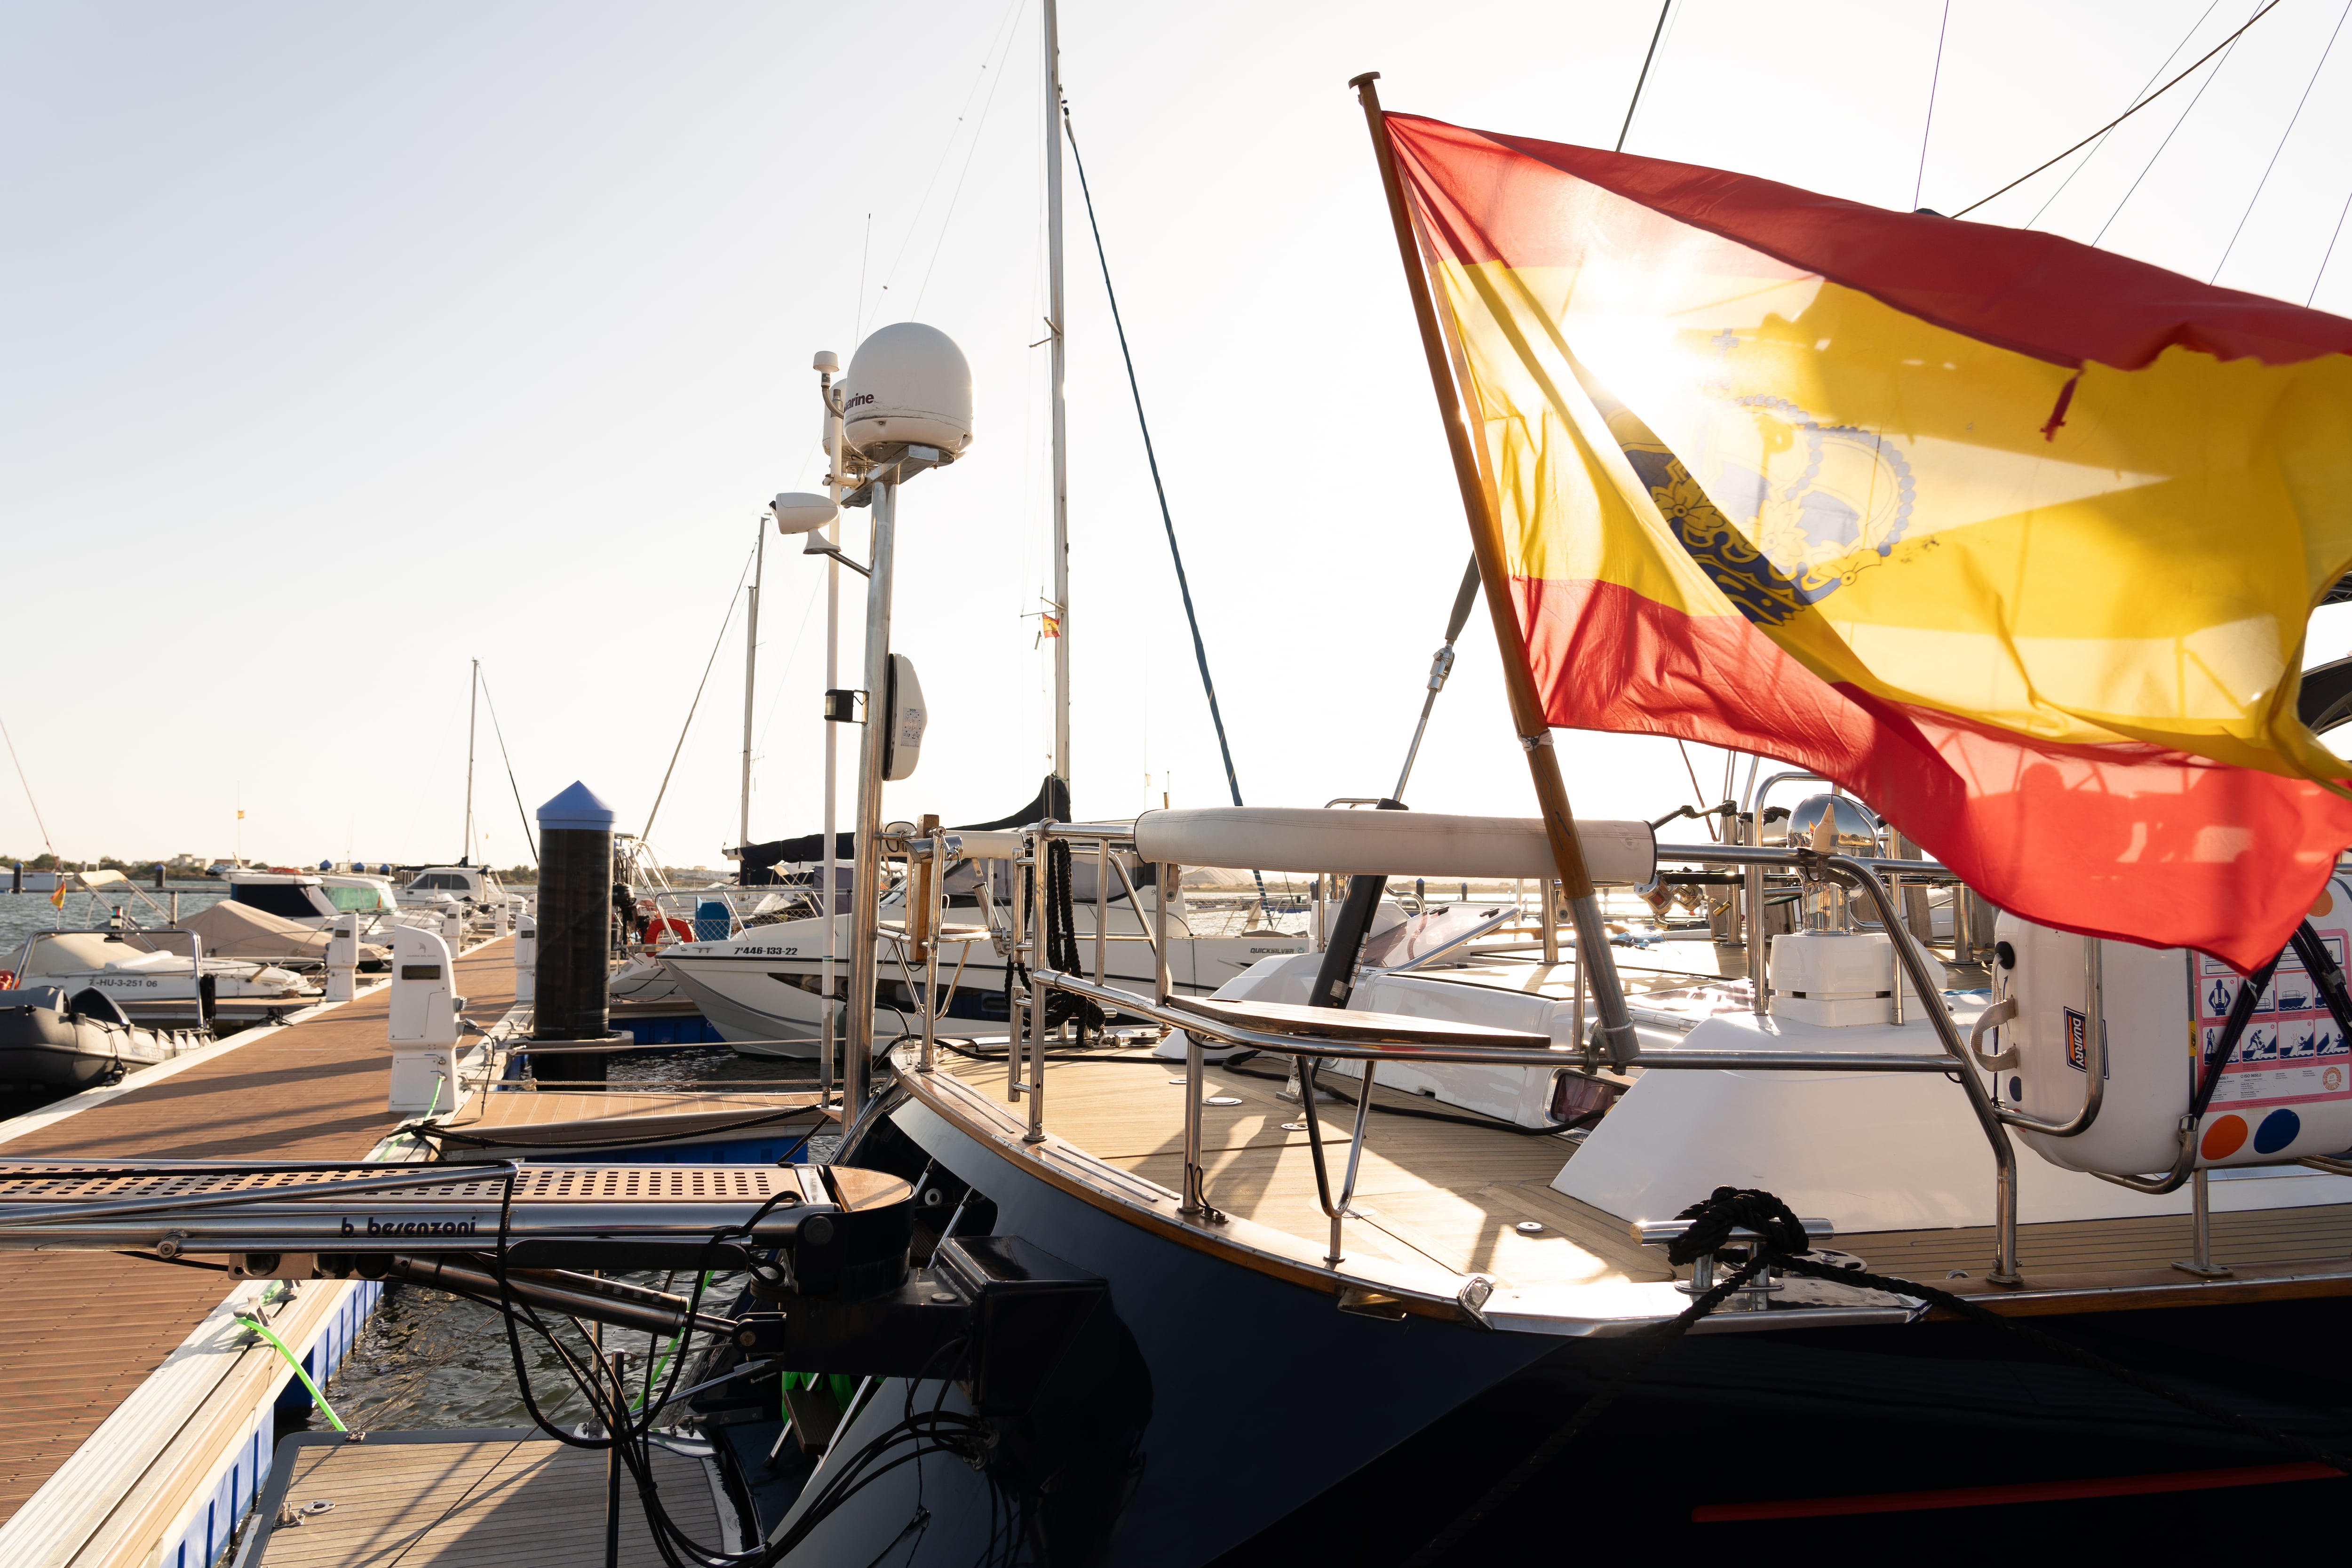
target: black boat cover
759 860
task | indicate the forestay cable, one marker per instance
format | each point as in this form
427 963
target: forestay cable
508 761
719 641
2127 114
1184 586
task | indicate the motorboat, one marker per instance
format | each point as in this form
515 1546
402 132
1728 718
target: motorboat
434 885
316 897
233 928
762 989
49 1041
151 976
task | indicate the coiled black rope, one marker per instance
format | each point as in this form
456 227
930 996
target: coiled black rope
1062 937
1061 949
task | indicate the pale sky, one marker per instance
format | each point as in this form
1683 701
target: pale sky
340 345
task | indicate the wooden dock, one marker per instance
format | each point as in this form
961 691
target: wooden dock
81 1332
468 1499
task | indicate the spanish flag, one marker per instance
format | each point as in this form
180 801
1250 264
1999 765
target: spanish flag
2014 538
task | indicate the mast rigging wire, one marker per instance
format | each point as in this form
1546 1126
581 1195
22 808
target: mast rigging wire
2127 114
2194 98
1696 794
2194 26
728 620
1655 34
2328 255
35 804
947 219
1919 181
1439 666
1184 586
492 704
1152 456
2265 180
1002 29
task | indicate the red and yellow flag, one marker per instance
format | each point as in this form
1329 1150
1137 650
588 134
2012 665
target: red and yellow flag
2014 538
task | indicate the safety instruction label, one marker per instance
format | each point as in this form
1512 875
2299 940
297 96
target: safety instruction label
2293 1051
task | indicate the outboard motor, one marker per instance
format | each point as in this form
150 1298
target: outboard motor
2285 1092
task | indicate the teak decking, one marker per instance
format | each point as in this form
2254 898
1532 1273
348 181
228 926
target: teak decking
1437 1192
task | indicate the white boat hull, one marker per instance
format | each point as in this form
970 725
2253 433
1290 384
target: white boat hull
761 989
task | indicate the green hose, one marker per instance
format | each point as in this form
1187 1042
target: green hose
639 1403
258 1326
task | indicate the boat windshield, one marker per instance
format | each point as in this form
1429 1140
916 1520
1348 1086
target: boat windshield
287 901
364 900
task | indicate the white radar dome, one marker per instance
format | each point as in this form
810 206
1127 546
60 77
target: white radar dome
909 384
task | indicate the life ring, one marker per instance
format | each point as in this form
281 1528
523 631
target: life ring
666 927
8 980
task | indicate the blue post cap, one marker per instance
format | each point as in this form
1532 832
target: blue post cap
579 808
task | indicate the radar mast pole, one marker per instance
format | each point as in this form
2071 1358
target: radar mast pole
750 675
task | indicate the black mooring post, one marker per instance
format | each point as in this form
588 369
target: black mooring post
575 921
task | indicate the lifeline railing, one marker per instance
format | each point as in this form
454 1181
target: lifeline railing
1026 1052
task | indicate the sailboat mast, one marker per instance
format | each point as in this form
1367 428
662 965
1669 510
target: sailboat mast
834 462
473 704
750 673
1061 426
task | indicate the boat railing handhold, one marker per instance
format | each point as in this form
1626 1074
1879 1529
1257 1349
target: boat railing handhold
1305 840
1224 833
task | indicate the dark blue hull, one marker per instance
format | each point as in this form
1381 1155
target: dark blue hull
1253 1396
1916 1430
1255 1423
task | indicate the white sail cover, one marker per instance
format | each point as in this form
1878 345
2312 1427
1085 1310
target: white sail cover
1387 843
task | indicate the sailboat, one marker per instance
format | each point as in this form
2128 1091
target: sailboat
1887 1239
1731 1265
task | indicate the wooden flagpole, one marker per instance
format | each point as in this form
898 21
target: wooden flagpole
1594 958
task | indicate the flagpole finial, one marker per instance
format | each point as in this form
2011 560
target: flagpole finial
1358 81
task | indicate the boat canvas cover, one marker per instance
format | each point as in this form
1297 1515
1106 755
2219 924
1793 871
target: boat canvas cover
759 861
232 930
2014 538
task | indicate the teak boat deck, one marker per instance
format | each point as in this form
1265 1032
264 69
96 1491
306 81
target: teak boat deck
1455 1195
466 1499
